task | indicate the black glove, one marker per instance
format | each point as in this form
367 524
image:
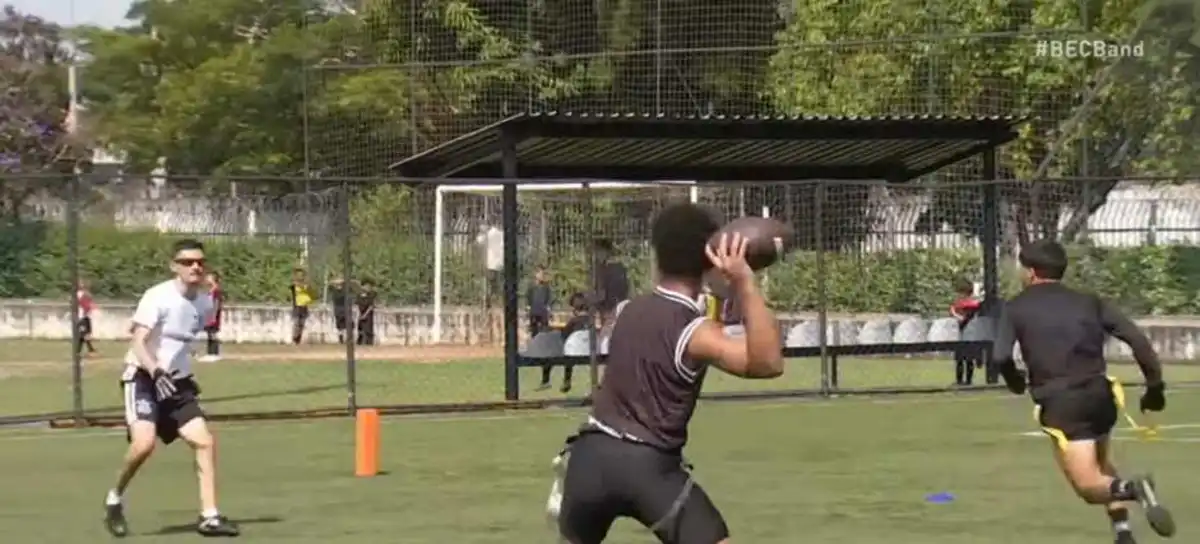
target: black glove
164 386
1014 378
1154 400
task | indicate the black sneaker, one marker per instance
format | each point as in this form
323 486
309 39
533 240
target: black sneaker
217 526
1125 537
566 387
543 386
1157 515
114 520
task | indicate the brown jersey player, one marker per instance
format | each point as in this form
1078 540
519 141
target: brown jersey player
627 460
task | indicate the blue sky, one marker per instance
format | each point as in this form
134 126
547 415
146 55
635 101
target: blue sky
106 13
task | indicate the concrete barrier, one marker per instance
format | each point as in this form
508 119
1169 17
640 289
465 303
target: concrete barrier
1176 338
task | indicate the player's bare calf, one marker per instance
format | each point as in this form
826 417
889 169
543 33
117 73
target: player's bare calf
161 396
1062 333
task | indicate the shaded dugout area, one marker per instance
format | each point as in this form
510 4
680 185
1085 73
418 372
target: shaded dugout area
574 146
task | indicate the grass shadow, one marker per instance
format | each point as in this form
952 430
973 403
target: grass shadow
191 527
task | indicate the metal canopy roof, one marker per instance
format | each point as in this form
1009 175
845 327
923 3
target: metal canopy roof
714 148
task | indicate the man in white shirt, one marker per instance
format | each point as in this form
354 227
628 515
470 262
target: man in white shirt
161 397
491 239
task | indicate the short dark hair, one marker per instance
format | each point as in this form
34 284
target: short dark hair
604 244
1046 258
963 286
578 302
186 244
679 235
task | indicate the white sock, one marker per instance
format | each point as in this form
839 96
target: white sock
1121 527
113 498
209 513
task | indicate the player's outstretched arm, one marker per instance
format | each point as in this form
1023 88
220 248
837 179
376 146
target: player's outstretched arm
1124 329
756 356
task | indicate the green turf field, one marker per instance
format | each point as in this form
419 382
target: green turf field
848 470
35 378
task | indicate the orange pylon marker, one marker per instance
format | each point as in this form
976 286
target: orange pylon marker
366 443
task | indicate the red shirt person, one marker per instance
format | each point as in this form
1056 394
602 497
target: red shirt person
964 309
86 306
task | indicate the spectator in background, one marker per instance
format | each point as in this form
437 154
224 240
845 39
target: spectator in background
212 326
612 282
540 299
341 303
491 239
302 297
580 321
964 309
365 301
86 306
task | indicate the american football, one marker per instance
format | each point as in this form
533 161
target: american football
768 239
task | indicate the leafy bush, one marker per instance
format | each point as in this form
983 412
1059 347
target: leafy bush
119 264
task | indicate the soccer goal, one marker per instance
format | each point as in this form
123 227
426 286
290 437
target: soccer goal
552 231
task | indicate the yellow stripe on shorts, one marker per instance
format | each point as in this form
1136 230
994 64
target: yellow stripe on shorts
1148 432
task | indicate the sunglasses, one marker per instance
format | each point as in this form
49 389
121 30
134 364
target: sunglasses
190 262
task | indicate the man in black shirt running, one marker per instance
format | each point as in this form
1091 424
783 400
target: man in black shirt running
627 459
1062 333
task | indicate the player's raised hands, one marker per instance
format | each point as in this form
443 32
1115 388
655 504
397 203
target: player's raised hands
728 257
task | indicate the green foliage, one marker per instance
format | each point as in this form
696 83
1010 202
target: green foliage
973 57
300 87
119 264
212 87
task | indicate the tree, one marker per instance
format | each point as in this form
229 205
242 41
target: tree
968 57
295 87
34 139
214 87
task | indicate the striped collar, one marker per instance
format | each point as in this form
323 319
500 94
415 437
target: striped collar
681 298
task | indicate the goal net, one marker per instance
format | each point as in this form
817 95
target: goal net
557 225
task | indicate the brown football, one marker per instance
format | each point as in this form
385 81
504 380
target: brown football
769 239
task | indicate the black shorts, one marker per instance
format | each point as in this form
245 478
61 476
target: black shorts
609 478
339 320
85 326
141 404
1086 411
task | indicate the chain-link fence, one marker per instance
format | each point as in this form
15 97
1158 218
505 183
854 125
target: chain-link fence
878 265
